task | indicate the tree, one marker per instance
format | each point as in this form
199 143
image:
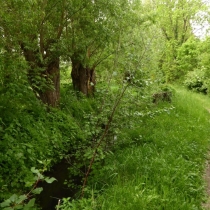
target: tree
175 20
46 30
36 27
188 56
93 28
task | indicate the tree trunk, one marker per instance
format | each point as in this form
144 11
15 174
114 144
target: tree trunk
51 94
83 78
44 78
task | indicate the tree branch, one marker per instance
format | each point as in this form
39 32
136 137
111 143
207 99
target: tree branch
102 138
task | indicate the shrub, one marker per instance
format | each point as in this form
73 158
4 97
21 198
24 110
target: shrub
196 81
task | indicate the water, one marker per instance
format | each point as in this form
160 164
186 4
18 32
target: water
51 193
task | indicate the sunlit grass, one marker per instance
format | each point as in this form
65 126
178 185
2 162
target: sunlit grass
164 169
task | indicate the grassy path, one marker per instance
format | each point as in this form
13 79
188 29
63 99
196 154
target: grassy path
164 168
204 102
207 180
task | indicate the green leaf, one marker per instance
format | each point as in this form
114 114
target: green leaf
34 170
8 208
37 190
5 203
13 198
21 199
29 183
20 206
50 180
39 161
30 204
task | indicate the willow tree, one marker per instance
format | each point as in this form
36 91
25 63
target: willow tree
36 26
93 26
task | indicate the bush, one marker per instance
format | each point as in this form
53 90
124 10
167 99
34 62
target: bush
30 139
196 81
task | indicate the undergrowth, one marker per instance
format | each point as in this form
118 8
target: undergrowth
31 136
160 165
151 158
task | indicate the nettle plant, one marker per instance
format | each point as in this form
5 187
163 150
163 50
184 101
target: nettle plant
27 201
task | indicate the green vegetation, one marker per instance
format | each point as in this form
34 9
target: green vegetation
163 170
161 165
112 94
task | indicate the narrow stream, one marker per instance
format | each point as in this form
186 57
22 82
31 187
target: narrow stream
49 197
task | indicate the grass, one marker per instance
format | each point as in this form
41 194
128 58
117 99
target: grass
164 168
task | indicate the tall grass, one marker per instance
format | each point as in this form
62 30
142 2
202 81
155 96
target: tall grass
164 168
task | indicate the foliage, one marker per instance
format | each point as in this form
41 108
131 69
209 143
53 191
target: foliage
85 203
30 134
174 18
162 167
197 81
25 201
43 138
21 38
92 121
204 56
111 138
188 56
